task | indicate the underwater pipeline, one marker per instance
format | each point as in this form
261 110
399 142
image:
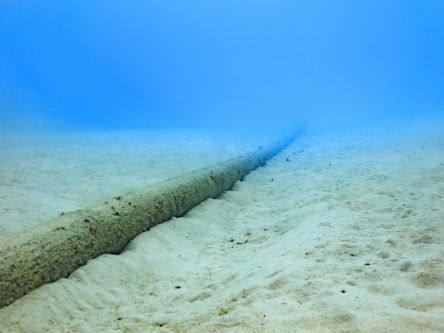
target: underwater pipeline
54 249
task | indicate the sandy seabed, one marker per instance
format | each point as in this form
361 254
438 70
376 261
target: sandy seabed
335 234
43 175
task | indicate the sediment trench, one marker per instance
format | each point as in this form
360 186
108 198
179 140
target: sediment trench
54 249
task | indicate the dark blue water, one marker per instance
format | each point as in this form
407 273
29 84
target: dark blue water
218 64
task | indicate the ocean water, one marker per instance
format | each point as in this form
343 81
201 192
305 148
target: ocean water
341 231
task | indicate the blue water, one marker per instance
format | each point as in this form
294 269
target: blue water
76 65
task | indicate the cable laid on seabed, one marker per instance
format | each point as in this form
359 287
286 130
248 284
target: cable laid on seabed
54 249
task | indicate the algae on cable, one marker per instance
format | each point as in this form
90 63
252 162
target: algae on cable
54 249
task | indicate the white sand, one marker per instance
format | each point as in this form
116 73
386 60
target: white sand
44 175
299 246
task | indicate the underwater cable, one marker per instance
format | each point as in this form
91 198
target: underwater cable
54 249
